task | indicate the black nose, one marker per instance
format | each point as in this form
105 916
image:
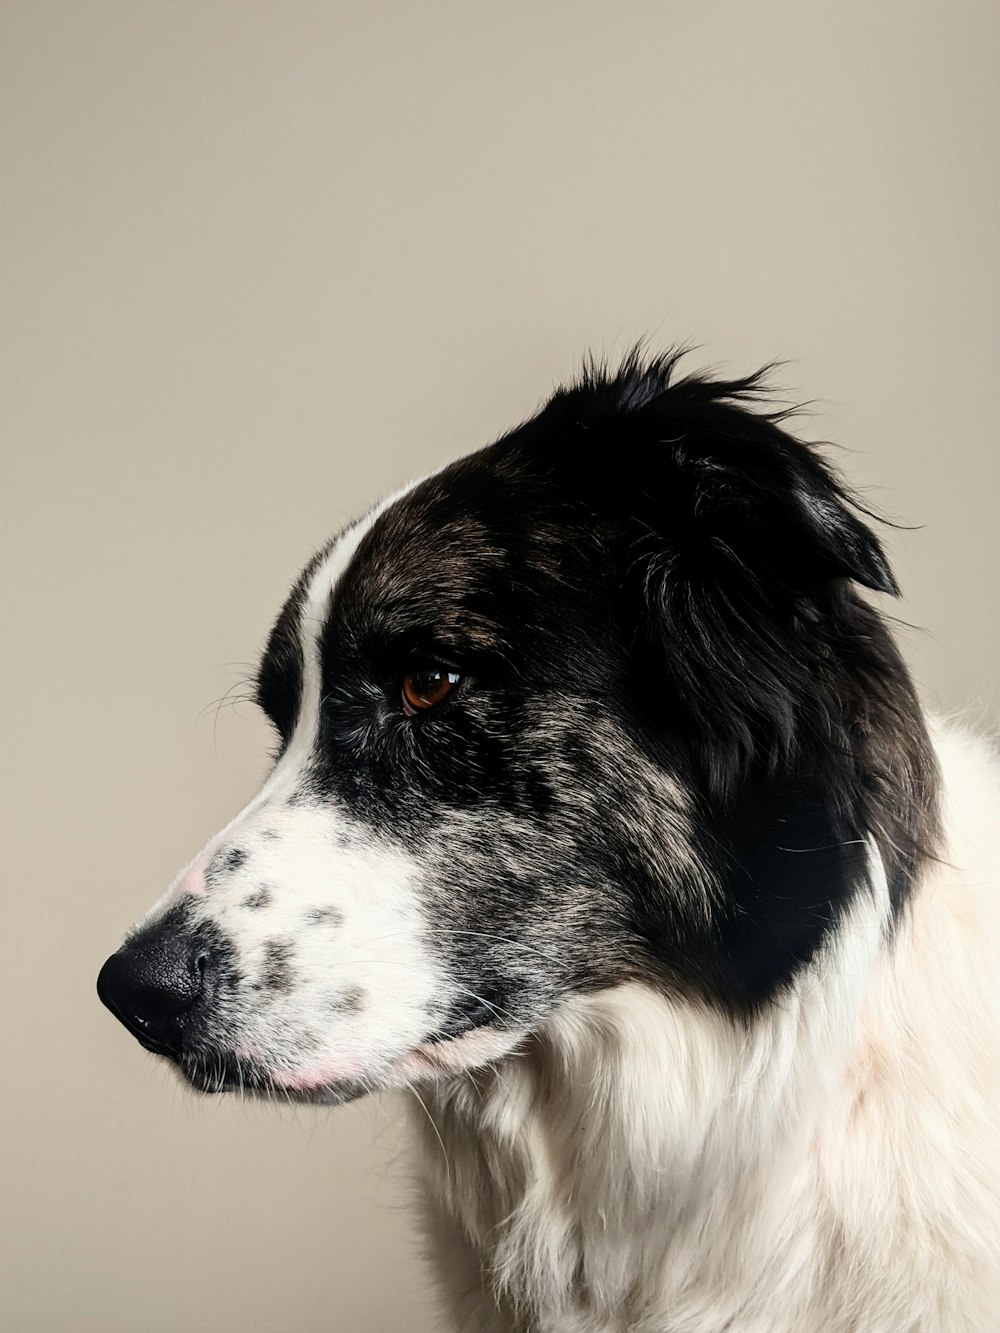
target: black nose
154 982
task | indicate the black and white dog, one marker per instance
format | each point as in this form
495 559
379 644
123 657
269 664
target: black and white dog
605 817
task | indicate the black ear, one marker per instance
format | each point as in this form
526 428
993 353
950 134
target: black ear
848 546
702 464
736 545
743 491
779 504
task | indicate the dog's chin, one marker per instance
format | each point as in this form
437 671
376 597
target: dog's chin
221 1075
333 1082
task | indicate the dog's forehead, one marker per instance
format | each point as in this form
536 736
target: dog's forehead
486 561
447 550
443 533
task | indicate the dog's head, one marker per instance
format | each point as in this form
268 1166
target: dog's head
598 703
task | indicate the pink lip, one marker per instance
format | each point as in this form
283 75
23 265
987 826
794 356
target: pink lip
310 1078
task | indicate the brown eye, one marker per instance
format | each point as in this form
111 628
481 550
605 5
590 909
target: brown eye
427 686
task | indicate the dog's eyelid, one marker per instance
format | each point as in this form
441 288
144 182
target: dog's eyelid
438 649
434 659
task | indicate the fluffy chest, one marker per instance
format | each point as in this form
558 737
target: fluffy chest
597 1185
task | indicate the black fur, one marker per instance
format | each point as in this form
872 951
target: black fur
277 973
226 861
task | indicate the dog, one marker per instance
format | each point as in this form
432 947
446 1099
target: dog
606 820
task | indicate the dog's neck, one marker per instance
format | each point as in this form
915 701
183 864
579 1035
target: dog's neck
633 1121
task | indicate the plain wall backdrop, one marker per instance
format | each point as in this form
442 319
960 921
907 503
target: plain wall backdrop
262 262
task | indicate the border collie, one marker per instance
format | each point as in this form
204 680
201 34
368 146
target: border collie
606 820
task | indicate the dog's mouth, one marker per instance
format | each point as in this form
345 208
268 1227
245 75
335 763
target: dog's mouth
226 1072
463 1040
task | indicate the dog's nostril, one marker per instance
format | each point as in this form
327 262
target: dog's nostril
152 983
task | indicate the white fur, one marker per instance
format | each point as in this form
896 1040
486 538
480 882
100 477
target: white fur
649 1166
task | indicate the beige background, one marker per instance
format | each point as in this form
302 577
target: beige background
264 261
